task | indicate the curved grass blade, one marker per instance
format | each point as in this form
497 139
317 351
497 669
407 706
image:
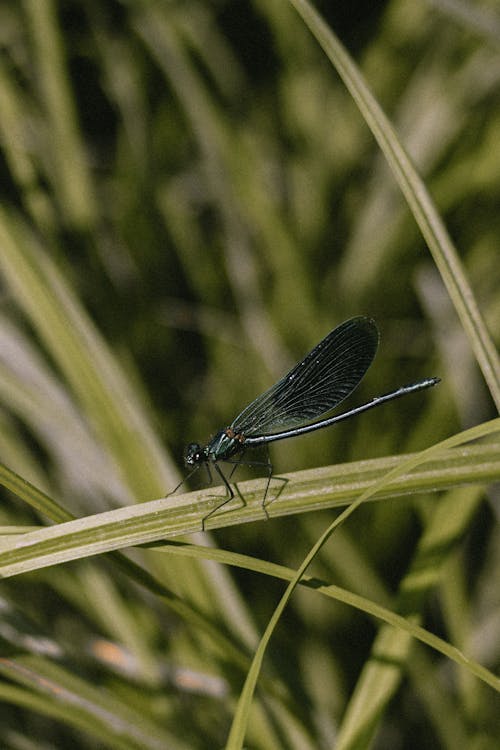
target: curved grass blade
418 198
240 721
309 490
332 591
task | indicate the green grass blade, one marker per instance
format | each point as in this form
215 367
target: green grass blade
181 514
241 717
34 497
407 626
46 505
69 171
418 198
89 366
53 691
382 673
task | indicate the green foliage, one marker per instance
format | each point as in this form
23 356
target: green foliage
191 198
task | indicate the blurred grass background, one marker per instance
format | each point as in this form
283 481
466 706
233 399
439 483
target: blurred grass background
190 201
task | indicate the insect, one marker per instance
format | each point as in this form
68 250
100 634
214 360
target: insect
315 386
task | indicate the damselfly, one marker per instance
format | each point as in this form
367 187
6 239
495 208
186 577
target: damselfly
315 386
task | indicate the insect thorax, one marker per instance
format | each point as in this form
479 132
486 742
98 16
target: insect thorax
224 445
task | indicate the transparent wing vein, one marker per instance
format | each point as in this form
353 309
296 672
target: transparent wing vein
317 384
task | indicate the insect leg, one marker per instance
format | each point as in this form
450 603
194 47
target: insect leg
236 463
186 478
269 475
229 496
266 464
210 478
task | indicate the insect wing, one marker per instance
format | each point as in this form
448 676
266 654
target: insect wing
324 378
